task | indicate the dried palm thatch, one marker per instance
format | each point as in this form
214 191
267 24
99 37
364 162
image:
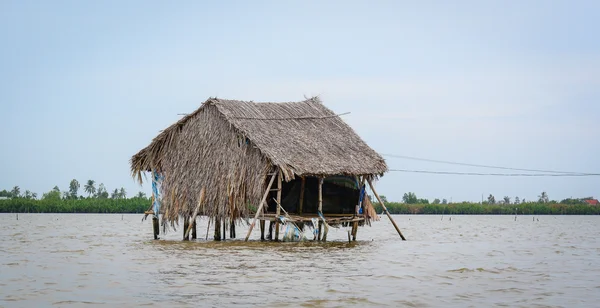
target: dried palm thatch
228 147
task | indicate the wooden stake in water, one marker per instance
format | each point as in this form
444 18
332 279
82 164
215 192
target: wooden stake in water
386 210
17 216
260 206
155 226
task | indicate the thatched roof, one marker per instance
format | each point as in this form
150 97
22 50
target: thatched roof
302 138
226 148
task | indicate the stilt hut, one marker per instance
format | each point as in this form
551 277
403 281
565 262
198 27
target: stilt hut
288 163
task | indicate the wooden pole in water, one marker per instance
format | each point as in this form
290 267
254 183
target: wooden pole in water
217 229
224 234
192 221
301 203
270 233
320 207
262 229
278 212
186 227
232 228
155 227
385 209
208 228
260 207
354 230
194 234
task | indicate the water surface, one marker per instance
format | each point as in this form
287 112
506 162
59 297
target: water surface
75 260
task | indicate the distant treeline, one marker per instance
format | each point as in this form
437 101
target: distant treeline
466 208
98 200
89 205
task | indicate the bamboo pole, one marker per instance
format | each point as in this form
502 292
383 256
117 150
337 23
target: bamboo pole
259 210
385 209
301 195
278 212
192 221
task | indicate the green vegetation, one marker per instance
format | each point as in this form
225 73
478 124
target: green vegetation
97 201
543 206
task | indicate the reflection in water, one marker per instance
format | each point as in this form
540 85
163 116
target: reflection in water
75 260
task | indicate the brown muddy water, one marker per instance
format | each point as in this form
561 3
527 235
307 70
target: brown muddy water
83 260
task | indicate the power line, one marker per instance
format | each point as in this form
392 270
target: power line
495 174
488 166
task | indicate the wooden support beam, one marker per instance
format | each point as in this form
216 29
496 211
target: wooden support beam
278 212
262 230
301 203
386 210
354 230
260 207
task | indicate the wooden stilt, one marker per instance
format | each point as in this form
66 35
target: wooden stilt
262 230
385 209
278 211
217 236
186 225
155 227
208 228
301 203
192 221
354 230
232 229
260 206
194 234
320 231
224 234
270 234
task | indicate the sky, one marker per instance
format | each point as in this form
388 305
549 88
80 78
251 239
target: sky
84 85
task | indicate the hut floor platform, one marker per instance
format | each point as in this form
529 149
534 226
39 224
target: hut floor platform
330 218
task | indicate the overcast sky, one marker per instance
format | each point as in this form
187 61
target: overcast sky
84 85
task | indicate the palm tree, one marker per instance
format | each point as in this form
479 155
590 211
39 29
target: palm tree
89 187
34 195
16 192
115 194
122 193
27 194
141 194
543 198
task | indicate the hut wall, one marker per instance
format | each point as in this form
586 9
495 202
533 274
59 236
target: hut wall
208 152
